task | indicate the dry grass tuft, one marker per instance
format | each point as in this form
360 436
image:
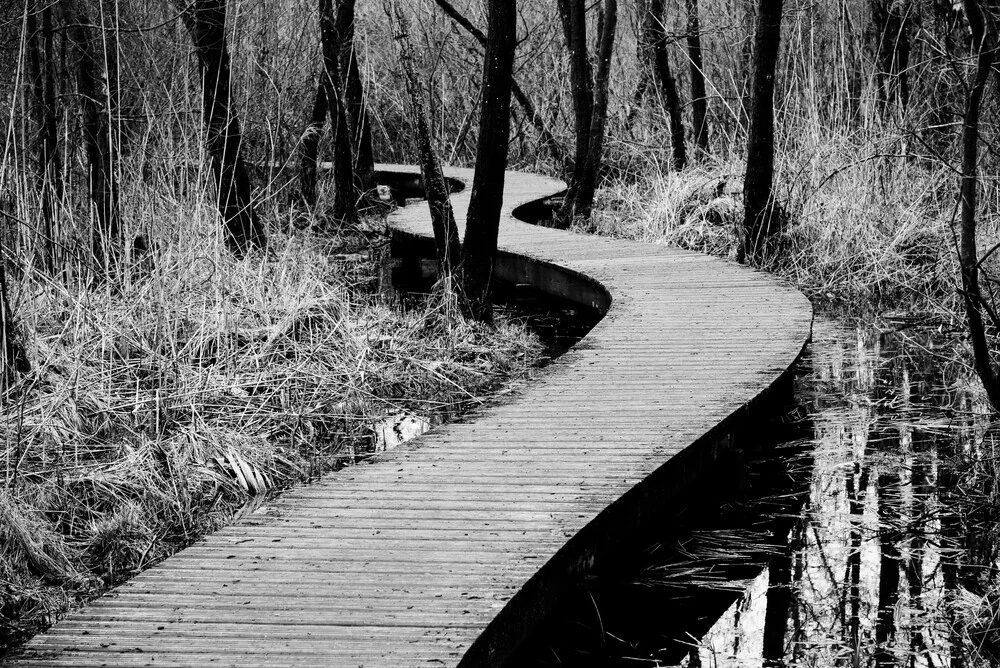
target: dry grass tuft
695 209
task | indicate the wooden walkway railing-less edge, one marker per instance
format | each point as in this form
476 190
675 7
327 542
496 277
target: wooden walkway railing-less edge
449 549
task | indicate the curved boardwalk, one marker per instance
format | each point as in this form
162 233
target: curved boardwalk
447 550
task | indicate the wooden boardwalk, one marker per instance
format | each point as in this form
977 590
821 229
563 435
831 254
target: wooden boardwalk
447 550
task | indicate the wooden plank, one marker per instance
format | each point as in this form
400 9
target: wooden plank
448 549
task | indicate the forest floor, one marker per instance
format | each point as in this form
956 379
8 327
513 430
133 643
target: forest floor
173 404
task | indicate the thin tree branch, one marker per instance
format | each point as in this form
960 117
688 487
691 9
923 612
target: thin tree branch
549 142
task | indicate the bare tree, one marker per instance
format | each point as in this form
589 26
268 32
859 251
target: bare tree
41 69
699 101
12 356
984 44
574 22
887 494
447 244
94 64
548 142
339 95
748 21
653 53
310 146
482 227
206 22
760 221
590 101
356 105
892 23
335 22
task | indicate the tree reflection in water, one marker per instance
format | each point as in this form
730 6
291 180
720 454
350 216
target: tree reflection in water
897 562
891 561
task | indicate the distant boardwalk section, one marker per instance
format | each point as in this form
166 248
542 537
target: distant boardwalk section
449 549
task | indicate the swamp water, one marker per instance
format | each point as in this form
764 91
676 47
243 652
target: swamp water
862 531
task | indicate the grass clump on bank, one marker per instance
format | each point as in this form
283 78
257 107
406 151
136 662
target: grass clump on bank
870 223
158 410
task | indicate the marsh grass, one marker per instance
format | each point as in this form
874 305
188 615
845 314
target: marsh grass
870 225
161 407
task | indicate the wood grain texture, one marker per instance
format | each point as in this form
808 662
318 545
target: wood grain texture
449 549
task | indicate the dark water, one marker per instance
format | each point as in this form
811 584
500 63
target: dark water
862 531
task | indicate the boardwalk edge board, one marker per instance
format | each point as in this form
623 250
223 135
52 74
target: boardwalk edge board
364 568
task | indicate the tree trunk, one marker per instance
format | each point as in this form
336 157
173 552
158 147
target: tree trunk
890 516
642 83
984 41
583 202
573 14
892 23
483 222
666 83
759 220
856 491
99 140
446 241
699 101
49 163
747 58
333 24
206 21
310 146
361 129
356 110
590 103
920 510
653 58
12 357
778 603
548 142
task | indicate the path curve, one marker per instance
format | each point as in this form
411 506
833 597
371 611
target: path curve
448 550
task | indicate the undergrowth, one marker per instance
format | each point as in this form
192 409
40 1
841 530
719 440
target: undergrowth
870 218
160 408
